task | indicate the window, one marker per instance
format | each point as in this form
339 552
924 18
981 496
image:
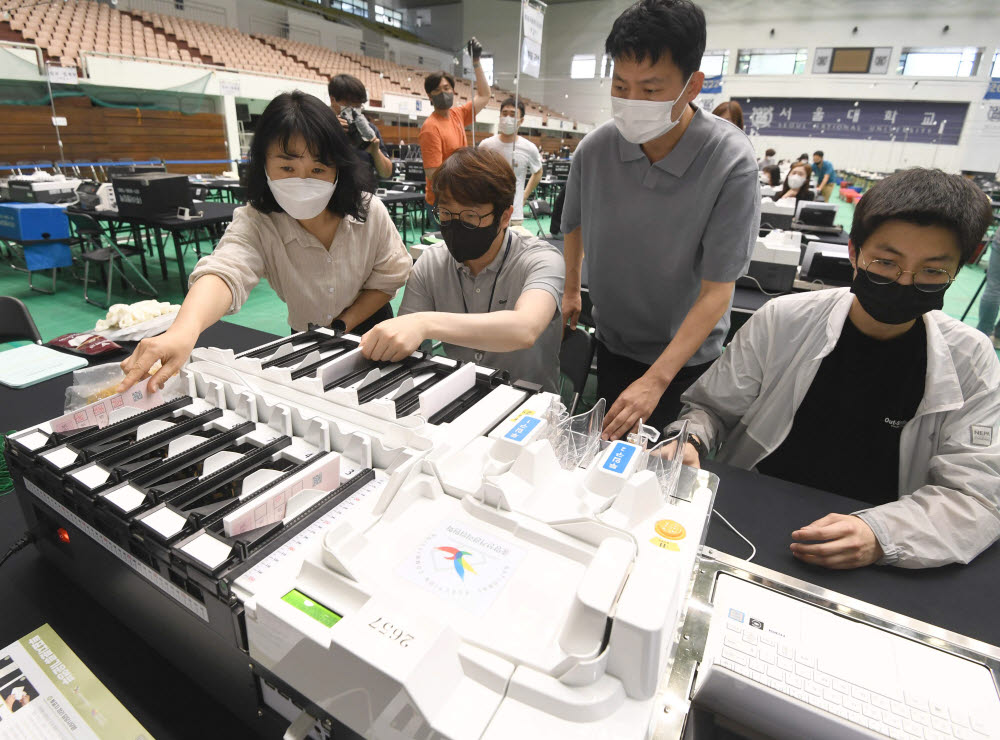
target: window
357 7
771 61
486 60
930 62
607 66
715 63
583 67
389 16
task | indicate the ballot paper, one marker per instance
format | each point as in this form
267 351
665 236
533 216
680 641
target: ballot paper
47 692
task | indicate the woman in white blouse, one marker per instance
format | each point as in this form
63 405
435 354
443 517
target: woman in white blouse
311 227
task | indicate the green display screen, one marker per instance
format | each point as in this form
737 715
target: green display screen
309 606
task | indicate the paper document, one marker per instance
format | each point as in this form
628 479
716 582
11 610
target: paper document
47 692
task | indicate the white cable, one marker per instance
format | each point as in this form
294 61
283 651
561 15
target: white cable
761 287
753 549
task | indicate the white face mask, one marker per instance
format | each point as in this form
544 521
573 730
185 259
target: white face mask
302 198
508 125
796 181
640 121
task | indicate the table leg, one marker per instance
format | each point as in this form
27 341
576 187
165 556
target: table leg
180 260
159 248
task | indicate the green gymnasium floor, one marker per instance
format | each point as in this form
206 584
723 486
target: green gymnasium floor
66 311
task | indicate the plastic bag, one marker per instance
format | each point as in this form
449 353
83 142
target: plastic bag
91 384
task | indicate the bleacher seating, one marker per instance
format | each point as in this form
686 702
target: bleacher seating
64 30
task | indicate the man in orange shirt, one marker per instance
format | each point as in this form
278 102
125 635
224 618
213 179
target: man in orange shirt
444 130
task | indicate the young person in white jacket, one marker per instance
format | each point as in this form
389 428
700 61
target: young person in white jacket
871 392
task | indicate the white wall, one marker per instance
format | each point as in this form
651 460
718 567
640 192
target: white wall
581 27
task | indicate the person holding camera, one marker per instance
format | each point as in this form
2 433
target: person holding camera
347 98
444 130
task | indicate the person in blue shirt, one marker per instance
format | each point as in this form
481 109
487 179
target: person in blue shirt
826 176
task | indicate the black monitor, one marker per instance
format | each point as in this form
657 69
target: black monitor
816 214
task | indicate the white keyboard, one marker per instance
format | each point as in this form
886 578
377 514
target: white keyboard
838 684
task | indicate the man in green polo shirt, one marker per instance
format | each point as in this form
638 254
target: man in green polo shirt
665 202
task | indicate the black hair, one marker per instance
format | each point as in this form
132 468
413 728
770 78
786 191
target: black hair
346 88
652 28
769 153
773 173
927 198
510 102
434 79
297 113
804 157
818 153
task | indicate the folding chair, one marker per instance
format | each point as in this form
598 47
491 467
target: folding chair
112 258
16 321
576 353
538 208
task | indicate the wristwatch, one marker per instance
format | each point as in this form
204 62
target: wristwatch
698 445
339 327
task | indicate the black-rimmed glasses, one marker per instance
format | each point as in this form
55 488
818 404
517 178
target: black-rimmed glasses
469 219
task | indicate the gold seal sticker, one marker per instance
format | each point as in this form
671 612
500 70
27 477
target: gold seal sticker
670 529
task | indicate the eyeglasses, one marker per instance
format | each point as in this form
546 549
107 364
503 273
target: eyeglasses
468 219
926 279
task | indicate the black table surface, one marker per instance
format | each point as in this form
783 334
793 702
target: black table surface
960 598
211 213
400 196
33 592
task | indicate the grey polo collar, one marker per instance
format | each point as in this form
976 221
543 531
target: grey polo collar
677 162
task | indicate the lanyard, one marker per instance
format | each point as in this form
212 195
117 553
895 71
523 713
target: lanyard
461 288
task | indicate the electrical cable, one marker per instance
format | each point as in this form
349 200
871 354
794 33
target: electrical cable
753 548
761 287
26 539
6 482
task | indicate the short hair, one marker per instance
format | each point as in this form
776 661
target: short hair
731 111
347 88
511 103
804 157
818 153
651 28
475 177
298 113
769 153
434 79
927 198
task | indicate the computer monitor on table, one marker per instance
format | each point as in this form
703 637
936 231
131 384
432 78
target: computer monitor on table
811 213
826 263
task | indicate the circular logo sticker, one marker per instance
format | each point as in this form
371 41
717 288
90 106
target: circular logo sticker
670 529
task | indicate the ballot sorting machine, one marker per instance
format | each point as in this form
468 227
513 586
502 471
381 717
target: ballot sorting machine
423 549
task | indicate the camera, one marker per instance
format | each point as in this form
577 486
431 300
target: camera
359 131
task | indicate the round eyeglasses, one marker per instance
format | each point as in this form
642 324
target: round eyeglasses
926 279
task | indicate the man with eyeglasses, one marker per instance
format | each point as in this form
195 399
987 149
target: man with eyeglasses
872 392
490 294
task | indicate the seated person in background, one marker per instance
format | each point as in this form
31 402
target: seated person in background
771 175
491 294
519 151
731 111
872 392
347 91
804 157
768 159
311 228
826 176
796 184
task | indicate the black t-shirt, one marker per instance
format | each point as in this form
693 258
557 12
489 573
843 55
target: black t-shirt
845 436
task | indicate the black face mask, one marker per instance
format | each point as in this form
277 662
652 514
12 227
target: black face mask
465 243
443 100
894 303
